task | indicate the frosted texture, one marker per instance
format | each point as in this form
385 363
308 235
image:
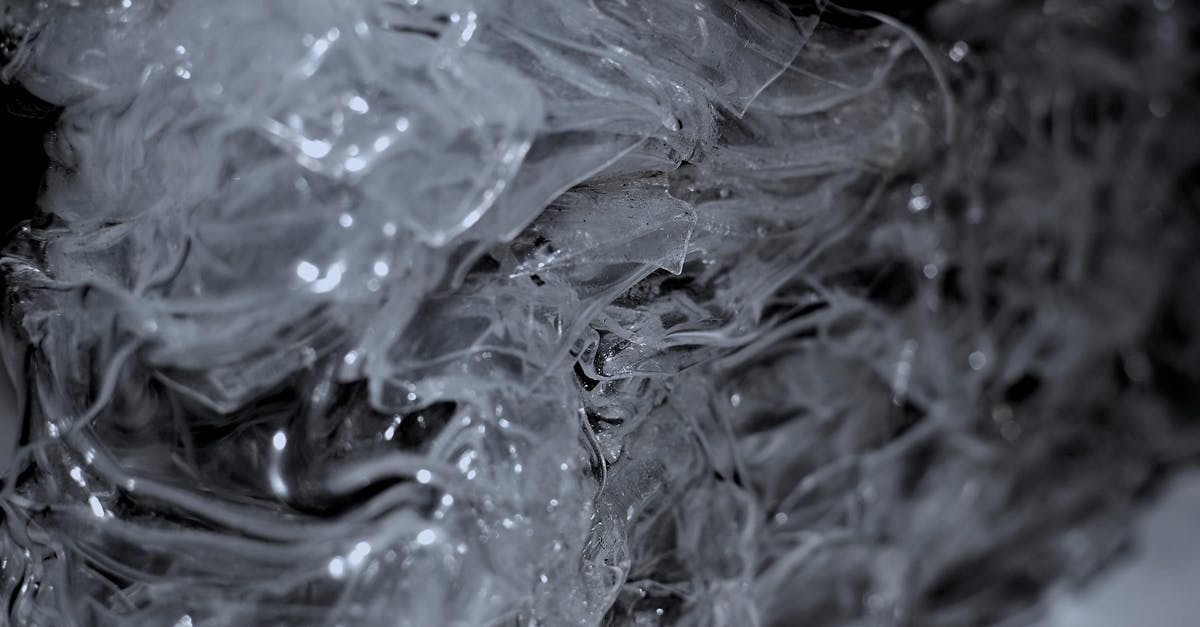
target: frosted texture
573 312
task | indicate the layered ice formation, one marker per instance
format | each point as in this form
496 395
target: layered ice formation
583 312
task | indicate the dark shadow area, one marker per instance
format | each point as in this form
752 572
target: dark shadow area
24 121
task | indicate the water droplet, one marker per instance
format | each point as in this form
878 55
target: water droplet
279 441
380 269
977 360
359 554
331 279
307 271
424 476
97 508
337 568
918 204
358 105
959 51
426 537
315 148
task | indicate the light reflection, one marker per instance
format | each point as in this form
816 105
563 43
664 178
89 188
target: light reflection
464 461
358 105
959 51
469 29
919 201
359 554
337 568
331 279
307 271
315 148
426 537
279 441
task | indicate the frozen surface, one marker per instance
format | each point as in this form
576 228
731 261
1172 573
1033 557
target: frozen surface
574 312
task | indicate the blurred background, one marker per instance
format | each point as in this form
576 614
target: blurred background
1157 581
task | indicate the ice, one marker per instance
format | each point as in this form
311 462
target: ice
579 312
